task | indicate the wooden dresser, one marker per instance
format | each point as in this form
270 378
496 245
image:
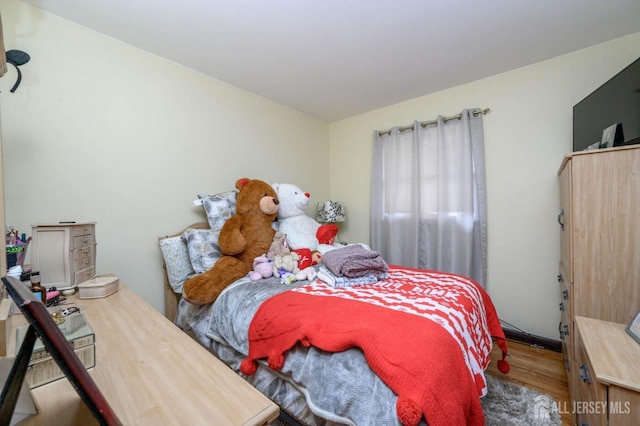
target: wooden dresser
64 253
599 222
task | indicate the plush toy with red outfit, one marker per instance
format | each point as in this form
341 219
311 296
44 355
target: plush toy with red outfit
245 236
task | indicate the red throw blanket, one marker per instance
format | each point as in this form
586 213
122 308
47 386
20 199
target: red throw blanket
426 334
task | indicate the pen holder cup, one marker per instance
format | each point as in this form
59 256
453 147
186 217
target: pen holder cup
14 254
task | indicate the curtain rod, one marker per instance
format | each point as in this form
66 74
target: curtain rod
432 122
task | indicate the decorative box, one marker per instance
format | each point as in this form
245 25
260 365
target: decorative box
98 287
43 368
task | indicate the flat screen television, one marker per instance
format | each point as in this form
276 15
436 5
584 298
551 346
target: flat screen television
616 101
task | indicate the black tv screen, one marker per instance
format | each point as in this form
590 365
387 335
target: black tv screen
616 101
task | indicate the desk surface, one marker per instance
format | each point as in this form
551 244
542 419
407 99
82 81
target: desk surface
150 372
613 353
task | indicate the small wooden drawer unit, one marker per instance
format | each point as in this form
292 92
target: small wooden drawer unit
65 254
608 389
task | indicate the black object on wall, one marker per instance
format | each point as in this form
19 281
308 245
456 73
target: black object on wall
17 58
616 101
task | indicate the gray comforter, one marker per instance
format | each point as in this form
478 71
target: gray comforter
336 387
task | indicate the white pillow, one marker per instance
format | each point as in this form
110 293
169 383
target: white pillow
176 260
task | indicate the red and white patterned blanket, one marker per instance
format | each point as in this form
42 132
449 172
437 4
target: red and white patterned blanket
426 334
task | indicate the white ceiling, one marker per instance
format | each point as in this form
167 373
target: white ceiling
333 59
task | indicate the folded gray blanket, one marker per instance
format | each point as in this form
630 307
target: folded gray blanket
355 261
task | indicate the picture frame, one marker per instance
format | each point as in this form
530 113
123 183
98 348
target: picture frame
41 325
633 328
612 136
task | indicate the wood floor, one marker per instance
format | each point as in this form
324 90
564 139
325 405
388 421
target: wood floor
539 369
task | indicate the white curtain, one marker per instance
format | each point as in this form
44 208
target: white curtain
428 196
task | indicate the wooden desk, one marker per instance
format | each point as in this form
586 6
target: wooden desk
150 372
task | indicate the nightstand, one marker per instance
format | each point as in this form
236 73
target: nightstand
609 369
150 372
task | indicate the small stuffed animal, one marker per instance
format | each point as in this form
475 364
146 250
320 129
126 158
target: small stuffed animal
245 236
262 268
279 246
301 230
308 257
285 264
308 273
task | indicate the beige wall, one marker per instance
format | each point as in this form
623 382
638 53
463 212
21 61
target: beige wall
102 131
527 132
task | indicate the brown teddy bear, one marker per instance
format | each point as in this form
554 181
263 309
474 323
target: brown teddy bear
245 236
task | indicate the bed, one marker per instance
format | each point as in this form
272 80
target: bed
420 353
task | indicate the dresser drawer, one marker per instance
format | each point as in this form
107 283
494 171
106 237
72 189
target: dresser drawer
589 389
81 241
566 291
85 274
565 332
624 406
84 263
569 367
82 229
593 394
82 252
587 418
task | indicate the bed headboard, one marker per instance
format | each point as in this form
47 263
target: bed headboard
172 298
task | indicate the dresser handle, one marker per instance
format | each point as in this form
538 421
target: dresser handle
560 331
561 307
560 219
565 294
565 328
560 278
584 374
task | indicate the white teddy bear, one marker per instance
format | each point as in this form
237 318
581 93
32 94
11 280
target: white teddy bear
300 229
